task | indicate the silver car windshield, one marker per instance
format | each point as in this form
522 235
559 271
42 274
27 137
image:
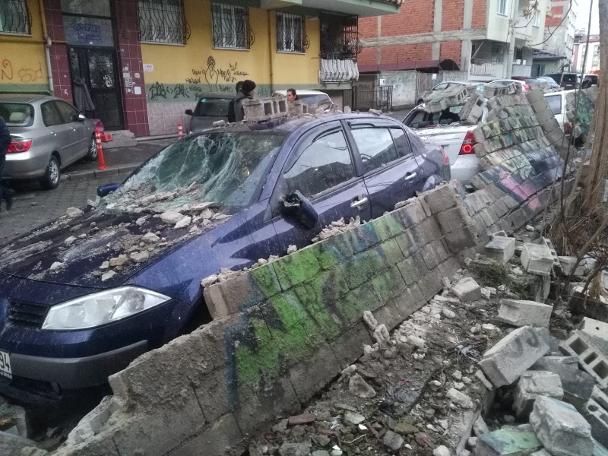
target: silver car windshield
224 168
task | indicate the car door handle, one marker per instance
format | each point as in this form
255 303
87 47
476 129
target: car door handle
358 202
410 176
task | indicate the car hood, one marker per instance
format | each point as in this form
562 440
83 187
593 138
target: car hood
94 248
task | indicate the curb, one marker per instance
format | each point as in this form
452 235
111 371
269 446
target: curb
125 169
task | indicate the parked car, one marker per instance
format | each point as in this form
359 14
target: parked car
311 97
590 80
550 84
48 134
558 105
446 85
506 82
567 81
262 189
209 108
446 130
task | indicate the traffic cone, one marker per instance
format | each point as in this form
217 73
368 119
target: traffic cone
101 162
180 130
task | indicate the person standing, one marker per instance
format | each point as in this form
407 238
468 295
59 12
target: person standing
5 140
231 117
247 91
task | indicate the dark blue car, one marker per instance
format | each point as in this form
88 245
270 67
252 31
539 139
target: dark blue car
83 296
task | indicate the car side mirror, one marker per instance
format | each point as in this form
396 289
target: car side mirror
106 189
296 206
189 112
80 117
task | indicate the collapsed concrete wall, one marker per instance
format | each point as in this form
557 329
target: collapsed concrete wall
286 328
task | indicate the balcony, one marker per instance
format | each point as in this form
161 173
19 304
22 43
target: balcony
361 8
486 71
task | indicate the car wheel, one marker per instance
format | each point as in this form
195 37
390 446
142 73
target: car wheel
52 175
92 151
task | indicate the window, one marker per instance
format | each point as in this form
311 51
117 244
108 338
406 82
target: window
162 21
290 33
14 17
230 26
50 115
376 147
401 142
323 165
536 18
555 103
17 114
502 7
67 112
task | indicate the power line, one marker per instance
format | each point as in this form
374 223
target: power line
558 25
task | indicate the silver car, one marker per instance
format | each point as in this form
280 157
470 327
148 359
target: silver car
48 134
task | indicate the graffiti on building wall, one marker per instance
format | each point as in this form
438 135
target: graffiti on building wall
216 75
24 73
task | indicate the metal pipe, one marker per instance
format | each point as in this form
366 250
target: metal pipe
270 52
47 46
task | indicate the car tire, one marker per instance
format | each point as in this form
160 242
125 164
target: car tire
92 151
52 174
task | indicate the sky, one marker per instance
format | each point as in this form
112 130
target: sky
582 16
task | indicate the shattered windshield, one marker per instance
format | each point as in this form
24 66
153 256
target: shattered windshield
223 168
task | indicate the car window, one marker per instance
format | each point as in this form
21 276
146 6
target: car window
555 103
404 149
212 107
67 112
17 114
376 147
324 164
50 115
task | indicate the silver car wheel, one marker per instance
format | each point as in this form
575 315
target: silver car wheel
92 149
53 172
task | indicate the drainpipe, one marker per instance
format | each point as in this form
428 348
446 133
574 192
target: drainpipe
270 53
47 46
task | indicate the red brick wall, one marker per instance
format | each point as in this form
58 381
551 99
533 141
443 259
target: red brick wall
554 17
415 16
479 13
403 53
60 67
451 50
452 14
368 27
367 57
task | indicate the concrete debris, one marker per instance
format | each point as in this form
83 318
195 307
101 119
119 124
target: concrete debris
467 289
595 328
416 341
150 238
291 249
336 451
107 275
295 449
533 384
507 441
393 440
183 222
447 313
353 418
209 280
590 358
140 257
370 320
119 261
69 241
522 313
142 220
597 416
171 217
500 249
360 388
567 264
57 265
441 451
513 355
381 334
304 418
105 265
459 398
536 258
561 429
73 212
480 427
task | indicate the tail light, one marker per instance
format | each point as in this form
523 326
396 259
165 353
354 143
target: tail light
525 87
567 128
99 126
467 144
17 146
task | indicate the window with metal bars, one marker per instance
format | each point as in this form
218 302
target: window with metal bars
339 37
162 21
290 33
230 26
15 17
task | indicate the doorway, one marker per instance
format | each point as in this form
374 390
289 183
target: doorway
96 67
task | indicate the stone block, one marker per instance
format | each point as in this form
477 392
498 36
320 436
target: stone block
597 416
513 355
461 239
533 384
500 248
595 328
508 441
467 289
453 219
536 258
590 358
441 198
521 313
568 262
561 429
214 441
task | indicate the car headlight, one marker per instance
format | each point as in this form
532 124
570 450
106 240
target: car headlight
100 308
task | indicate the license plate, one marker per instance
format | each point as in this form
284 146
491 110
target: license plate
5 365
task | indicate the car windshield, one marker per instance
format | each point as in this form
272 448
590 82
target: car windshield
212 107
315 99
224 168
17 114
423 119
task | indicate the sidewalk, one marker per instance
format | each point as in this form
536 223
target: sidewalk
121 160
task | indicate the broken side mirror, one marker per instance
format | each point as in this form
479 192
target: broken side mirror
106 189
298 207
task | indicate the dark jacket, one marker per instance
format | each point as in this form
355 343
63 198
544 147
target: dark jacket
239 112
5 137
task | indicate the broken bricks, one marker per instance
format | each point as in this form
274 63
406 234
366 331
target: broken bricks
467 289
507 441
533 384
536 258
521 313
589 357
500 249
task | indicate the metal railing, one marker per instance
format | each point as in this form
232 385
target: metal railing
378 97
15 17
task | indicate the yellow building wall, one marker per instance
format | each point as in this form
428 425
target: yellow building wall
22 58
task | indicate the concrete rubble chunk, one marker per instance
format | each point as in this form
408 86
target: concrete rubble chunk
515 353
590 358
171 217
460 398
56 266
567 264
381 334
521 313
360 388
120 260
536 258
183 222
500 249
353 418
542 452
393 440
595 328
107 275
304 418
480 427
370 320
150 238
295 449
507 441
69 241
140 257
467 289
209 280
441 451
597 416
533 384
73 212
11 444
561 429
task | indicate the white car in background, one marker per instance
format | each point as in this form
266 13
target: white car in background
314 98
557 102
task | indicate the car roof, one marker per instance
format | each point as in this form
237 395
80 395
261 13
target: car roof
302 92
24 97
560 92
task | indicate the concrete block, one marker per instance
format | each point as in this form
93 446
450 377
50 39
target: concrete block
533 384
441 198
467 289
597 416
500 248
508 441
568 262
561 429
589 357
215 440
513 355
521 313
595 328
536 258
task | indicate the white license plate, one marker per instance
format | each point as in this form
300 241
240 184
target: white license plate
5 365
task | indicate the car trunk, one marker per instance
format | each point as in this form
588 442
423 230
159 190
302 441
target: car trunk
450 138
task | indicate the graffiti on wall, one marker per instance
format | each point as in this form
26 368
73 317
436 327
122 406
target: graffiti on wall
159 90
15 73
217 76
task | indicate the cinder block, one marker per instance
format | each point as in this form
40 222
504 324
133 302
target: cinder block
441 198
467 289
500 248
513 355
597 416
595 328
536 258
533 384
507 441
521 313
589 357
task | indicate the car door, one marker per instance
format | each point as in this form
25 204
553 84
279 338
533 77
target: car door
391 172
59 132
322 168
79 141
